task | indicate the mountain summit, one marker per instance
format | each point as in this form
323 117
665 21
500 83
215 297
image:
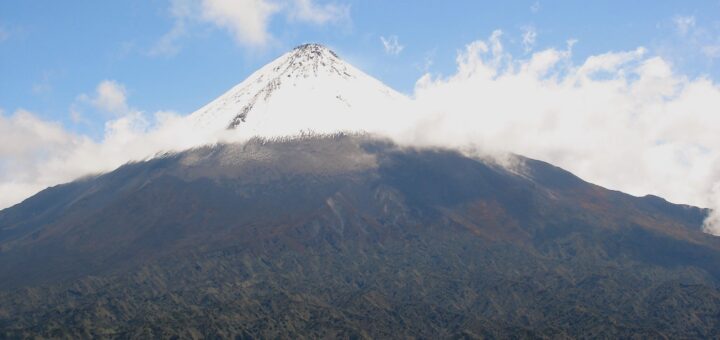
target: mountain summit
308 88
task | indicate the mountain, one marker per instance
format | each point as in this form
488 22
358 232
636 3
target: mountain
309 88
352 236
347 235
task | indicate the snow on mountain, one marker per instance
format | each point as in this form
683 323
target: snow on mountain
307 89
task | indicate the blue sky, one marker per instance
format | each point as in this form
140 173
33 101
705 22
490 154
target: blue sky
51 52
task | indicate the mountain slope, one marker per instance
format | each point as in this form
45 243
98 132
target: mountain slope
352 236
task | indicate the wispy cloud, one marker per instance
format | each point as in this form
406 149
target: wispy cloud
535 7
110 96
182 13
692 40
391 45
529 36
247 21
44 85
109 99
427 62
308 11
683 24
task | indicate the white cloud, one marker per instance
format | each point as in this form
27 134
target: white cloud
683 24
427 61
624 120
76 116
609 62
528 38
247 21
168 44
391 45
535 7
692 43
182 12
109 97
30 142
42 153
307 11
44 85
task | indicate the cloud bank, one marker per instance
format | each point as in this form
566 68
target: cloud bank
36 153
391 45
624 120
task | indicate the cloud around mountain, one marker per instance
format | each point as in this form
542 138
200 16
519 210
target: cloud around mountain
624 120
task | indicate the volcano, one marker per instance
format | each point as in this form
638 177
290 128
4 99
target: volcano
347 235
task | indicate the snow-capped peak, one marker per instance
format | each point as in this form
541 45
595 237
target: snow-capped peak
308 88
310 60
